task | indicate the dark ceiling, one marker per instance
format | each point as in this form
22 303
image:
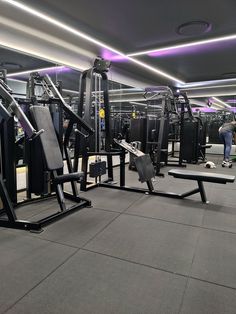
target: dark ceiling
133 26
213 62
140 25
13 61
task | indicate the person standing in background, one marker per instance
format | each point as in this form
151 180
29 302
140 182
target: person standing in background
226 133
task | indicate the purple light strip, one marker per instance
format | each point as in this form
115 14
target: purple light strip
206 83
203 109
201 48
54 69
186 45
207 109
111 56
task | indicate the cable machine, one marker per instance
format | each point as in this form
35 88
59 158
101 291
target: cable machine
193 135
153 130
93 100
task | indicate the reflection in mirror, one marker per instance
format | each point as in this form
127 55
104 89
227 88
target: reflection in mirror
129 106
215 111
19 68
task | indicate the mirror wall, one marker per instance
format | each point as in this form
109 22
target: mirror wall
126 101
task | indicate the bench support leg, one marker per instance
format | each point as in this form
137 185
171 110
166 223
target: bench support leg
202 191
186 194
60 197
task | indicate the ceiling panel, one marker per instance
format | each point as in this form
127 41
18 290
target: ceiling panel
14 61
202 63
138 25
128 26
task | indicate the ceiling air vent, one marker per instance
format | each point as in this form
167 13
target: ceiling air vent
10 66
228 75
193 28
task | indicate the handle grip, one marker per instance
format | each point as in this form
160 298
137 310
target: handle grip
81 133
36 134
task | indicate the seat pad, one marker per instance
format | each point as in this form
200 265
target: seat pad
74 176
201 176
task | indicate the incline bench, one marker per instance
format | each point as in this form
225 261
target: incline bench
200 177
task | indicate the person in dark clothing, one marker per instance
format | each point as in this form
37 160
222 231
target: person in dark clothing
226 133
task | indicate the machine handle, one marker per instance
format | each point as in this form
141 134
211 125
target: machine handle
81 133
36 134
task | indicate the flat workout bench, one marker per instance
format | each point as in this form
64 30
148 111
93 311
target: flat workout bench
200 177
146 174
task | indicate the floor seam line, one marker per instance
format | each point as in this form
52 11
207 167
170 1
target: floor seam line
119 214
134 262
180 223
183 295
41 281
55 242
47 240
136 201
213 283
91 239
189 273
157 268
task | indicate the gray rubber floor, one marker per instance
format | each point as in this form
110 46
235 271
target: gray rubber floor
130 253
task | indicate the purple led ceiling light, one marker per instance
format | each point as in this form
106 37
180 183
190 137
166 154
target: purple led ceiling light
198 49
50 70
203 109
111 56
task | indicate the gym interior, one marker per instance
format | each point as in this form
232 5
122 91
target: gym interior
114 196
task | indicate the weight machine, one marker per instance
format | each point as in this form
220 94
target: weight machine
162 107
45 140
142 161
164 100
153 130
193 136
93 97
42 91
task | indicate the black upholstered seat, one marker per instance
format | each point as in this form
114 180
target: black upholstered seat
75 176
201 176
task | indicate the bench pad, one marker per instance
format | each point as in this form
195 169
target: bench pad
201 176
74 176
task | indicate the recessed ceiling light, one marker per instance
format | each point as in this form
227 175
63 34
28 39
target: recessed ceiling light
70 91
10 65
231 101
210 95
208 83
207 87
193 28
221 102
15 80
54 68
228 75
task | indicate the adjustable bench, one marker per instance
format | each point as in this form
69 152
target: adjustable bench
200 177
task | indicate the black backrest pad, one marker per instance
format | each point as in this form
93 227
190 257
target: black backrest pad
52 153
144 167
